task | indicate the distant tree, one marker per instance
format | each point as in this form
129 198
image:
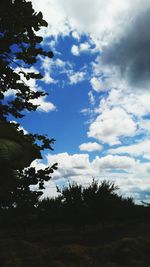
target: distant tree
145 203
72 203
51 211
80 206
99 202
87 204
98 198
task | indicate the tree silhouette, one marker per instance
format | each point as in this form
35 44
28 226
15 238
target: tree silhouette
19 47
19 50
96 203
98 197
72 204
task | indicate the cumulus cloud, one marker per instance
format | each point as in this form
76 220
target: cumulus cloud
72 167
77 161
44 105
111 125
90 147
101 19
50 190
136 103
98 85
120 31
125 171
114 162
139 149
76 50
131 52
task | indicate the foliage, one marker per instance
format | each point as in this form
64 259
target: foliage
22 197
19 46
97 203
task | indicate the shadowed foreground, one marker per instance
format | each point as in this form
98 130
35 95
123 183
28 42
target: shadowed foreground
90 227
115 245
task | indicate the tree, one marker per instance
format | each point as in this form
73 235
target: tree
19 50
93 204
19 47
98 199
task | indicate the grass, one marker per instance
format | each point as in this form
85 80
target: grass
114 245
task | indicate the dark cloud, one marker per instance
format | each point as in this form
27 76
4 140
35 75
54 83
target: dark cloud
131 53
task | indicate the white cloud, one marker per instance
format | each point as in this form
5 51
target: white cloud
44 106
132 176
71 166
50 190
75 50
114 162
54 15
77 77
47 65
48 79
98 85
109 24
81 48
84 47
145 125
90 147
136 103
111 125
104 19
139 149
91 98
79 165
76 35
51 67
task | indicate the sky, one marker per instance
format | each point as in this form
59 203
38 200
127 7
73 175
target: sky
98 107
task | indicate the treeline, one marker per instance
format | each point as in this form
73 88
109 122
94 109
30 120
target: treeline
76 205
97 203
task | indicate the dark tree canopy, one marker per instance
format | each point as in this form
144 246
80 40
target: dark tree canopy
97 203
19 47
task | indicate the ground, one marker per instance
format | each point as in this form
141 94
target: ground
113 245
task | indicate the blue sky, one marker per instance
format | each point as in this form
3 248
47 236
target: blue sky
98 108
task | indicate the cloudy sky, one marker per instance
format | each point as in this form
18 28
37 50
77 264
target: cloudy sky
98 108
